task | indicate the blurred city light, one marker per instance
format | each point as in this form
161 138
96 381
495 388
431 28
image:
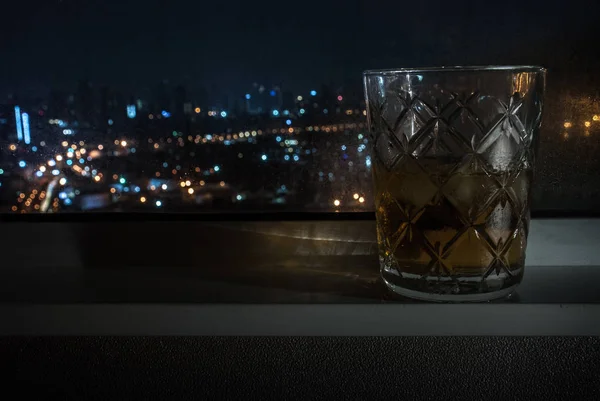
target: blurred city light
26 131
18 123
131 111
180 151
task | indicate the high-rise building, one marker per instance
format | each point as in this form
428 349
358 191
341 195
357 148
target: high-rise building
7 127
57 105
326 98
201 98
287 100
255 103
224 103
113 108
180 98
162 98
105 108
260 99
85 104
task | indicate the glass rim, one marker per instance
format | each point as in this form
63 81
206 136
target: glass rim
457 68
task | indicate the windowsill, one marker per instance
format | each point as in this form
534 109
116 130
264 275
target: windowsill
207 278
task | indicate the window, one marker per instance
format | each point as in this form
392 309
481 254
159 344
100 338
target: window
176 106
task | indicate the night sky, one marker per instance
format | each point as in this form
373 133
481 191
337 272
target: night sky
230 44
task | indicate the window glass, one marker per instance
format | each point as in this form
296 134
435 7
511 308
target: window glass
147 105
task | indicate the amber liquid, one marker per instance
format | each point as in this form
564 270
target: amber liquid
457 232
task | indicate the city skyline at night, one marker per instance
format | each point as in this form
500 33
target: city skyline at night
170 106
96 149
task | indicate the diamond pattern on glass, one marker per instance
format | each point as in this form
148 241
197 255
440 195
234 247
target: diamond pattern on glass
392 111
499 262
502 214
437 99
391 218
387 151
455 199
437 151
423 110
377 124
440 212
525 119
469 253
408 126
519 241
438 266
470 191
501 147
408 247
518 189
486 109
467 126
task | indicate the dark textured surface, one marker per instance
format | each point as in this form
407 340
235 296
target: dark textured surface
311 262
450 368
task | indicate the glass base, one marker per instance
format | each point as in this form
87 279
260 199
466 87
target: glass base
433 297
461 288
